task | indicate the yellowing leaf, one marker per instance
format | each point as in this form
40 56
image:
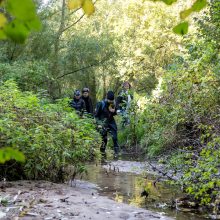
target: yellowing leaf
196 7
8 153
169 2
88 7
73 4
184 14
3 20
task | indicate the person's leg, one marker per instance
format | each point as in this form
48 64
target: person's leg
104 143
113 131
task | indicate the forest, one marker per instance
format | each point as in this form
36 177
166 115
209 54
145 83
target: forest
169 53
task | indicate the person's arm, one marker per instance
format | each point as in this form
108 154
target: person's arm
119 100
71 104
83 107
98 110
90 106
113 109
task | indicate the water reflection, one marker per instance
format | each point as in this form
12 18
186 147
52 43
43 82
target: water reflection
128 188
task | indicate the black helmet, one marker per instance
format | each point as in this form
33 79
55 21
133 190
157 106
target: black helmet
77 93
85 90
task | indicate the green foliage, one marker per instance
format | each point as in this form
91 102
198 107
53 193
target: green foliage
30 76
51 136
200 171
182 116
197 6
8 153
23 19
181 28
129 132
168 2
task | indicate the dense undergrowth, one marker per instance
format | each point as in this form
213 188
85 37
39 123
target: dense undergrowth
179 123
51 136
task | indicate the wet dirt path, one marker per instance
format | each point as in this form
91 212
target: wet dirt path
37 200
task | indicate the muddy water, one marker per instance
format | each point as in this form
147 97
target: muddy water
127 188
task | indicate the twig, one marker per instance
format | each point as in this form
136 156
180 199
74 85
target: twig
161 172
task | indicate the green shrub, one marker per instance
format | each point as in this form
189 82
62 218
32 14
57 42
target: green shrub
51 136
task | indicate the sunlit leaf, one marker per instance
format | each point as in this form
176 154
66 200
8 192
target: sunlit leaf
169 2
199 5
73 4
33 24
181 28
88 7
16 31
24 10
3 20
184 14
8 153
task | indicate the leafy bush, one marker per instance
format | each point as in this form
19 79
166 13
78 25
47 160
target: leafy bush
200 177
29 75
51 136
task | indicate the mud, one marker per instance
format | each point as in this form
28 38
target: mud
37 200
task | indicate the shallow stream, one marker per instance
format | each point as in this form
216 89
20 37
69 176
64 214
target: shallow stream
132 188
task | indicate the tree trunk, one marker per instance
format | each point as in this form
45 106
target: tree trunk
93 90
54 85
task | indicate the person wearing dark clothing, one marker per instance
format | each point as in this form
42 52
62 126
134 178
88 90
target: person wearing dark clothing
87 100
104 115
77 103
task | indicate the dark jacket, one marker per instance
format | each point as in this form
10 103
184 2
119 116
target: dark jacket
88 104
103 114
78 104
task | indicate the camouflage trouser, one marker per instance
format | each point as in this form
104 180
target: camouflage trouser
112 129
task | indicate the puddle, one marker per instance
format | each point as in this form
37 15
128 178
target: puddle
128 187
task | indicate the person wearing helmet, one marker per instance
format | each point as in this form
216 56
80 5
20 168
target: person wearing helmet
78 103
104 115
87 100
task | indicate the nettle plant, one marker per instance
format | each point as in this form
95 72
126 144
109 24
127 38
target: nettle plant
50 136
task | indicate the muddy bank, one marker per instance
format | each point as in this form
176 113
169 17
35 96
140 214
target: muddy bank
44 200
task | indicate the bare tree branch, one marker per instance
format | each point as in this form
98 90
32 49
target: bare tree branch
66 28
83 68
80 18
